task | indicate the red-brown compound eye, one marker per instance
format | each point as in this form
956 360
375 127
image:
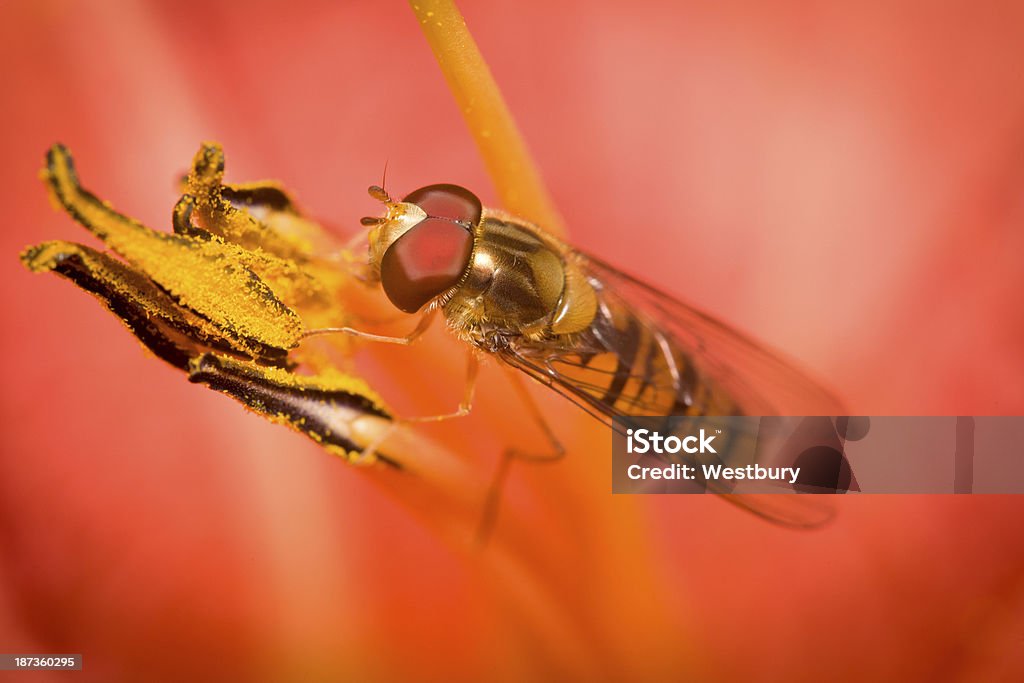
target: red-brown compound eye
424 262
447 201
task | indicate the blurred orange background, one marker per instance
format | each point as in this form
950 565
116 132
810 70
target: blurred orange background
844 180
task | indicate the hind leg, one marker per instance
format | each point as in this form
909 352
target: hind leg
492 503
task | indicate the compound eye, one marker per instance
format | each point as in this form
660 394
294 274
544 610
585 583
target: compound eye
425 262
447 201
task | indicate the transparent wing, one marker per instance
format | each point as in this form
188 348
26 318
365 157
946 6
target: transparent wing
759 381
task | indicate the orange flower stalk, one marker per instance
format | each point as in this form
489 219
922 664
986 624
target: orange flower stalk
492 126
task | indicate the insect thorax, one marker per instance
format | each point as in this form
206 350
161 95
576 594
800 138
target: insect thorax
520 283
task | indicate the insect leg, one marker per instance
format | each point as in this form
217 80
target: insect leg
420 328
465 406
493 501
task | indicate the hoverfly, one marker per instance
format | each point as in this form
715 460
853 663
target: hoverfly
609 343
